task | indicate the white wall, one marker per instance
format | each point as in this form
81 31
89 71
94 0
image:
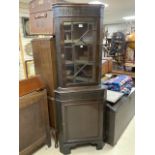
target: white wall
23 12
123 27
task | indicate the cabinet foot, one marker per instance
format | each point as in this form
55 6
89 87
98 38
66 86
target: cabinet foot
55 137
99 146
49 142
65 150
48 139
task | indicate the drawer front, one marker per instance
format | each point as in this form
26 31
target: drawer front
73 96
42 23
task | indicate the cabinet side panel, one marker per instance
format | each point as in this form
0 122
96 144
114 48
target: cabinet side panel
82 120
44 59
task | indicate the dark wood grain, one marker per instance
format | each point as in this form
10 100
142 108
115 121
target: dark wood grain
80 106
81 118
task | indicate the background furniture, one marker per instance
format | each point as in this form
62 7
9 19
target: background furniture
79 96
33 116
45 66
30 71
106 65
41 16
118 116
21 52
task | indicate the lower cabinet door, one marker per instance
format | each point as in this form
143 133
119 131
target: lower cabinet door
82 120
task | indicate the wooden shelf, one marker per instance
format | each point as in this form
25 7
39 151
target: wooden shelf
80 78
71 41
84 79
68 31
79 62
69 62
69 77
118 41
67 23
77 42
84 62
118 72
129 64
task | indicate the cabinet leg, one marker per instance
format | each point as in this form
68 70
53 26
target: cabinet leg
99 145
55 137
49 142
56 144
65 150
48 139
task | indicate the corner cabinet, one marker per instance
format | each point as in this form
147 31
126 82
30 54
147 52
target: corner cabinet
78 29
80 100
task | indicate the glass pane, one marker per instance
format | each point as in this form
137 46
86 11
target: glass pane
68 55
79 29
79 52
69 73
83 54
67 26
67 36
85 74
89 37
92 26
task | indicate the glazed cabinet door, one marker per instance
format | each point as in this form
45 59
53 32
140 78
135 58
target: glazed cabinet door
79 51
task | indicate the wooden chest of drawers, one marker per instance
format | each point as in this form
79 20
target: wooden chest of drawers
34 128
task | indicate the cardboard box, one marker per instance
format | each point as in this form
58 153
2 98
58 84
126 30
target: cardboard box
106 65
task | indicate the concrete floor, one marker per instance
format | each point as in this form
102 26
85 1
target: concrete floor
125 146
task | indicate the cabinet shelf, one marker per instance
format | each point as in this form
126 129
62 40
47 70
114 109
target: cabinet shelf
77 42
84 62
84 79
68 62
80 78
74 23
70 41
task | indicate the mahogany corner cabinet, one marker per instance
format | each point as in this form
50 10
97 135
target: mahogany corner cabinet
80 99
